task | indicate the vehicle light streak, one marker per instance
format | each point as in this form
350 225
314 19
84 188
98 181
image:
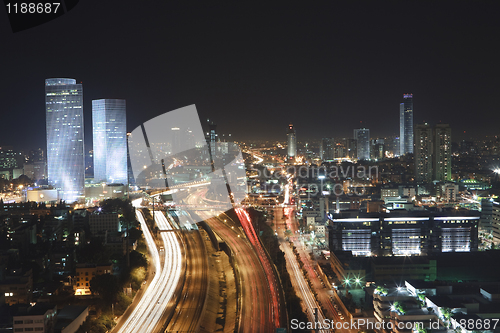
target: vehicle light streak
304 290
150 309
252 236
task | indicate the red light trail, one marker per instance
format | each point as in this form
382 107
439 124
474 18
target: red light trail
252 236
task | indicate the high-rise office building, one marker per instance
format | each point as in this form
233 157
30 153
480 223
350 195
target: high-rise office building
432 153
351 148
176 139
9 158
211 137
109 130
362 136
340 148
391 145
406 125
423 153
36 167
442 152
404 233
326 150
485 223
291 139
495 222
377 149
64 124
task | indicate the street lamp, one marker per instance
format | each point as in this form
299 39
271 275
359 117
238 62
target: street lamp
347 283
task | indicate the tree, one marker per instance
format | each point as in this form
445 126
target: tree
23 180
135 233
106 285
137 260
446 312
399 307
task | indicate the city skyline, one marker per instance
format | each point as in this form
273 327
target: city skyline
309 88
238 167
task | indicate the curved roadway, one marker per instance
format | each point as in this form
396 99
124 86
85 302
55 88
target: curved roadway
191 306
146 316
256 313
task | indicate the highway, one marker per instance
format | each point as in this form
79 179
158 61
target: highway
256 311
189 310
146 316
247 225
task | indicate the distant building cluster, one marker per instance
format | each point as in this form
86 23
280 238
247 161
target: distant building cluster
429 147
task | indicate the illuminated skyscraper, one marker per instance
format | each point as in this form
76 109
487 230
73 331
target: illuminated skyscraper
340 147
64 124
423 153
362 137
326 151
109 129
406 125
432 153
495 221
291 138
213 138
442 152
351 148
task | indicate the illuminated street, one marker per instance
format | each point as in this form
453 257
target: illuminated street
148 313
190 309
256 314
232 167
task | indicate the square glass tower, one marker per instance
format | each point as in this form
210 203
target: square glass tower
109 128
65 150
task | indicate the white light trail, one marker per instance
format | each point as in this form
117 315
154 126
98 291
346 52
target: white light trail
155 299
307 296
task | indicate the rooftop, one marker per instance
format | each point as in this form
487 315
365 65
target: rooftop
71 312
38 309
445 301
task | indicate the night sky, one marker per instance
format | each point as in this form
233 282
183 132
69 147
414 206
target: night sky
252 68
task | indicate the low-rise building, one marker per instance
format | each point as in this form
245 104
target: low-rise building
389 192
17 286
100 222
85 273
38 318
70 318
445 307
449 192
399 310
